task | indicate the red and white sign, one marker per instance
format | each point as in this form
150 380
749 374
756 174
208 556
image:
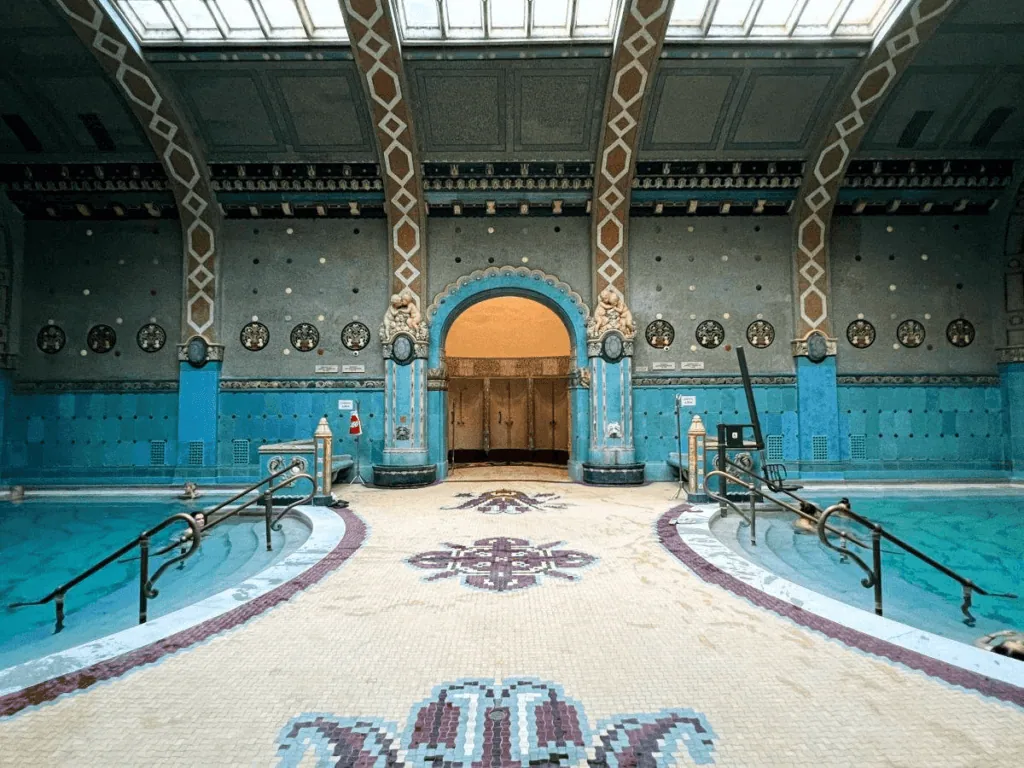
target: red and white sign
355 427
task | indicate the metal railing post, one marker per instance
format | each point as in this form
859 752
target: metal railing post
876 557
753 519
268 512
723 466
60 613
143 578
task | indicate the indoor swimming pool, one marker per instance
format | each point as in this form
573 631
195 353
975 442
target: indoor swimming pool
977 534
47 541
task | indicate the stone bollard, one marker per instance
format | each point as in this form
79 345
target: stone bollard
695 437
323 446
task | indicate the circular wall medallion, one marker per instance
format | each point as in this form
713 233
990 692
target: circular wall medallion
51 339
817 347
761 334
151 338
860 334
403 349
611 348
910 333
197 351
710 334
960 333
101 339
355 336
660 334
254 336
305 337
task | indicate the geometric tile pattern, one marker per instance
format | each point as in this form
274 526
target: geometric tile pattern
501 564
816 203
641 34
371 27
511 723
178 152
509 502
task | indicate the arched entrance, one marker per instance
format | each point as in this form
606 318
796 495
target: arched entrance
536 287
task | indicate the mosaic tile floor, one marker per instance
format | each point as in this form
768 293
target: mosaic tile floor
634 660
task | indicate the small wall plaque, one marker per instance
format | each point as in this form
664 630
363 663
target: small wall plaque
687 401
663 366
641 369
353 369
346 405
694 365
326 369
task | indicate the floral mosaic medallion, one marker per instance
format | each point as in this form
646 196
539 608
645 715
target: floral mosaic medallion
151 338
305 337
355 336
505 501
101 339
761 334
860 333
910 333
660 334
254 336
710 334
501 564
515 723
960 333
51 339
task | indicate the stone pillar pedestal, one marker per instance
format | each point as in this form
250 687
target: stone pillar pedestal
612 457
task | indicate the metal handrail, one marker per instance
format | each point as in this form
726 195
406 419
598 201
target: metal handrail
192 538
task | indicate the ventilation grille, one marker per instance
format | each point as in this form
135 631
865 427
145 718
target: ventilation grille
774 447
819 447
858 448
157 453
240 452
195 453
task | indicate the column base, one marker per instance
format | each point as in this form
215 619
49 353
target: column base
392 476
613 474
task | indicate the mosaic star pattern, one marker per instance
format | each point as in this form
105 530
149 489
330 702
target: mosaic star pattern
375 45
514 723
501 564
820 190
509 502
641 34
182 161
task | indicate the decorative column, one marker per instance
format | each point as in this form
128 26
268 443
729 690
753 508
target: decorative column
1011 356
375 46
612 457
814 345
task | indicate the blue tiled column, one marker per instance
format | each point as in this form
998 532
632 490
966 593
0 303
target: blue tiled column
197 413
1011 377
612 456
405 461
579 423
818 413
5 406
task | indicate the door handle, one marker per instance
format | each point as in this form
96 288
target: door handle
499 417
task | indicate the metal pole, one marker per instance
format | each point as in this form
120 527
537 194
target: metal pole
724 467
60 614
679 441
876 555
143 578
268 512
753 519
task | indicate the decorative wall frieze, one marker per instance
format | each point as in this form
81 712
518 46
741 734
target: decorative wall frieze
237 385
178 152
928 174
820 189
509 368
98 387
297 177
580 377
639 37
375 45
214 353
712 381
923 380
446 293
1010 354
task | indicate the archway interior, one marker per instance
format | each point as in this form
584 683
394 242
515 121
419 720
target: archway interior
508 361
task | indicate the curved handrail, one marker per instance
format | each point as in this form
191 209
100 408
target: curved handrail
275 522
822 525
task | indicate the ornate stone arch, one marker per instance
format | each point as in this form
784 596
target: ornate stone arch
483 284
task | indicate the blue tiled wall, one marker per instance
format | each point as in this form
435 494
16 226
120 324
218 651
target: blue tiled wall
86 437
923 428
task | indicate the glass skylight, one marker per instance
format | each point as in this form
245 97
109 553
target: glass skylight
241 21
479 20
779 19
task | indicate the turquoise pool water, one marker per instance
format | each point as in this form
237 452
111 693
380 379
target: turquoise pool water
980 535
46 542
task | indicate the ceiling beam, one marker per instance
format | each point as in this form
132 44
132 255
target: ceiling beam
825 171
182 159
639 37
374 35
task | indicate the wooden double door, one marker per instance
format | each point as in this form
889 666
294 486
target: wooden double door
504 419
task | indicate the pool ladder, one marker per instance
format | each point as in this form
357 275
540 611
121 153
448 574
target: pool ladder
819 518
187 544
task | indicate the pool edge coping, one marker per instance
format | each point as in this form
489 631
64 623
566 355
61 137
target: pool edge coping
694 544
336 535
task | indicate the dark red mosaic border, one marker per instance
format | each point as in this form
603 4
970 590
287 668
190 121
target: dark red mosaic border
873 645
355 534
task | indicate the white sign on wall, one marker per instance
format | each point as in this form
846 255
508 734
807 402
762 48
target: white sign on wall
353 369
687 401
326 369
346 405
663 366
694 365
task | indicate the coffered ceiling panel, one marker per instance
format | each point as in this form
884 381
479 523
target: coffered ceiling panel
504 110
